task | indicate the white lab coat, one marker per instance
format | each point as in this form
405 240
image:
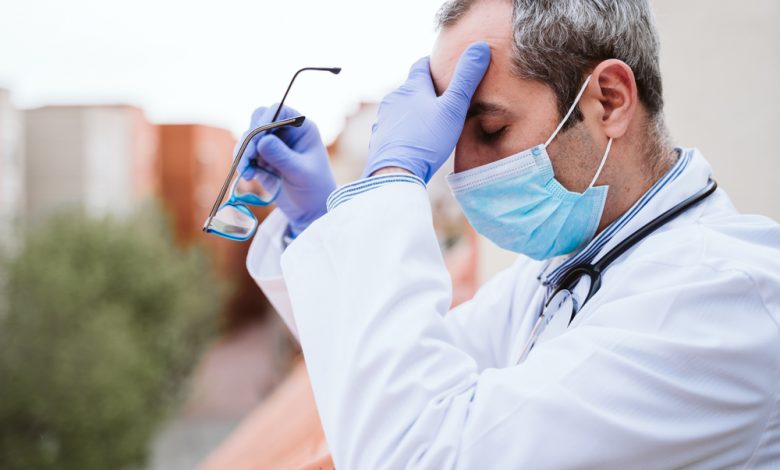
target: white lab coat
674 363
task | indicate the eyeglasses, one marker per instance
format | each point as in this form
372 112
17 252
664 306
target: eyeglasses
233 219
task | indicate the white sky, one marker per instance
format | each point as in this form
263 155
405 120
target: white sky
211 62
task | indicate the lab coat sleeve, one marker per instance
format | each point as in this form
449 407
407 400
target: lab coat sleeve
485 326
369 291
487 315
264 265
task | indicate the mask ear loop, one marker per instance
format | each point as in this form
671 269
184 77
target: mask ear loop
601 165
571 110
566 118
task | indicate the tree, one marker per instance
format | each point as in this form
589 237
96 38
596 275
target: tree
104 321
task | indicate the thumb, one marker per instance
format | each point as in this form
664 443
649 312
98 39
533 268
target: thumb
468 74
275 152
244 169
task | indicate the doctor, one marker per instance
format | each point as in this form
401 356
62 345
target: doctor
672 359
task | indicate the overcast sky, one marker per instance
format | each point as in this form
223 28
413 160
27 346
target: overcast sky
211 62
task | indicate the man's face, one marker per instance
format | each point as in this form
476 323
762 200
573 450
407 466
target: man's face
507 114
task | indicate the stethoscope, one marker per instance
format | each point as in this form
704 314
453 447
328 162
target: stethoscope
563 292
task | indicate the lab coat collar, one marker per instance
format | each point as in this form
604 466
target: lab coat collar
689 174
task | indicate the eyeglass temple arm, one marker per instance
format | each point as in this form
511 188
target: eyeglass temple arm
333 70
295 122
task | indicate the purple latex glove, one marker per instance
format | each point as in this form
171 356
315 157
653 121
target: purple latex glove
417 130
299 156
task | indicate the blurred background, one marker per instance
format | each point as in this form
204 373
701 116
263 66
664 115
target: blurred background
128 338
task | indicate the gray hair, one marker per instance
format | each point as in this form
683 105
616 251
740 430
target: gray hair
557 41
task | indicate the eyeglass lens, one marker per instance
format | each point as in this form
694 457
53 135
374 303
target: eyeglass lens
260 189
234 221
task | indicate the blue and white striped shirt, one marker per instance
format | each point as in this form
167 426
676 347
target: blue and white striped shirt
348 191
586 255
589 252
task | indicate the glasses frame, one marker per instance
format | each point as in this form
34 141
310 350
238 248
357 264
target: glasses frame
235 200
294 122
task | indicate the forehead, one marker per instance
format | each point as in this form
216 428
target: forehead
486 20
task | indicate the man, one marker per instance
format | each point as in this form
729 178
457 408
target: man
668 357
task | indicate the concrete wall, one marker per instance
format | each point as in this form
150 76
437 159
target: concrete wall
96 158
11 171
721 63
55 160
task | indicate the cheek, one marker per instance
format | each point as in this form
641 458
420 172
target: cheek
466 153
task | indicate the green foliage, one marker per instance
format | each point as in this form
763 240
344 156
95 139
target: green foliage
103 322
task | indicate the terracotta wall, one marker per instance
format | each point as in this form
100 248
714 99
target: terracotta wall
192 162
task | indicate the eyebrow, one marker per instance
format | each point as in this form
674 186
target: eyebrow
487 108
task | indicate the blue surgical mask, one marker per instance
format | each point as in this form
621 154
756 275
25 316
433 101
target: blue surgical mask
517 203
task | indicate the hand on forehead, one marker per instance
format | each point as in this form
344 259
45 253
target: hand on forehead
525 108
489 21
501 93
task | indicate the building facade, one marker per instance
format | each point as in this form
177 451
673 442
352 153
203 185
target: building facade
12 190
192 163
99 159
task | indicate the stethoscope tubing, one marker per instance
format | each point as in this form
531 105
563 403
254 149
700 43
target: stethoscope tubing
595 270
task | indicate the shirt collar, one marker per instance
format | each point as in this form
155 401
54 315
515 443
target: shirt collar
689 174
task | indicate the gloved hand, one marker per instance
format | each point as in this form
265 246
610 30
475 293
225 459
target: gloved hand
300 157
417 130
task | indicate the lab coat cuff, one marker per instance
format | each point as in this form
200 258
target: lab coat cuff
348 191
264 265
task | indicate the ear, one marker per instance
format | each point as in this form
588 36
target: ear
614 87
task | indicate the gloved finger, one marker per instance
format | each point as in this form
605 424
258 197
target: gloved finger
248 173
288 134
263 115
266 179
471 68
420 75
260 116
273 151
244 168
293 135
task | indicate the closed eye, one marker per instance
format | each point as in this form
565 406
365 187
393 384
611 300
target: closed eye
491 137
